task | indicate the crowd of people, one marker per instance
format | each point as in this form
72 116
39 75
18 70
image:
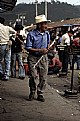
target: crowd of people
65 39
53 59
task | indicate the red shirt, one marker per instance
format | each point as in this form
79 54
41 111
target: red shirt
76 41
55 62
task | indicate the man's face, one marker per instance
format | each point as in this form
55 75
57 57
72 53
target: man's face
43 26
70 34
18 31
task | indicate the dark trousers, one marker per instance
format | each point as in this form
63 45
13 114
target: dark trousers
53 70
64 57
40 71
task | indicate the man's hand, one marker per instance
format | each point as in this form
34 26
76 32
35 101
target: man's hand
43 51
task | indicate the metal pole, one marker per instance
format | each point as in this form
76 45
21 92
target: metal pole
18 16
22 18
36 2
72 73
46 9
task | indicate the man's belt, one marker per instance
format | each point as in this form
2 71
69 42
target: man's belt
35 54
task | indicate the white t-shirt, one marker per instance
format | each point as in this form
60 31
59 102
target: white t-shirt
65 39
5 32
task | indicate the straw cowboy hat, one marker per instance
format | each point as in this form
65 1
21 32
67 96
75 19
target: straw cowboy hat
41 19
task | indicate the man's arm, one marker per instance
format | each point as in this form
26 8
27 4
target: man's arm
11 30
42 51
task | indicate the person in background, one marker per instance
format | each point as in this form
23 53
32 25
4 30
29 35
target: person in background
5 49
37 44
66 40
54 65
76 42
16 54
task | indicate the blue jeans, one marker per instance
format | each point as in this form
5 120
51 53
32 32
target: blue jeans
5 59
14 57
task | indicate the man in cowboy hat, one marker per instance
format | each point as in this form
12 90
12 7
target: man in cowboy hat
37 43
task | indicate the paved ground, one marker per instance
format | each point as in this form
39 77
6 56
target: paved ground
14 104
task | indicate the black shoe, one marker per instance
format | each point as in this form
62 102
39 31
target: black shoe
70 67
78 68
21 77
31 96
1 75
40 98
5 79
13 76
62 74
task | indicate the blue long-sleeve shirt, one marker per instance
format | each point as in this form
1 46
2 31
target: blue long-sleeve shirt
37 40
